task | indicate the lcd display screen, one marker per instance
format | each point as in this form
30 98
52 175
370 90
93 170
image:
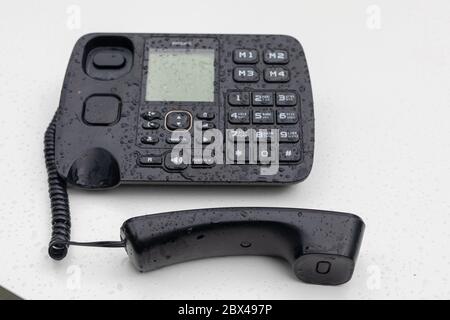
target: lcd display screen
180 75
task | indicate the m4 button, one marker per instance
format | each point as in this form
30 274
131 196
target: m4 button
276 75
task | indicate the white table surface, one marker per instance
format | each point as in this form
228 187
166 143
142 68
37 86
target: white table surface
380 73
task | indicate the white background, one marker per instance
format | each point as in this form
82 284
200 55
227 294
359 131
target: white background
381 76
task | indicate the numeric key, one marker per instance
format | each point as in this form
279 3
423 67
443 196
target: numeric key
262 99
287 117
239 117
239 98
289 135
286 99
263 117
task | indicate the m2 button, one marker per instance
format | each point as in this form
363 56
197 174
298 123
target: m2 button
276 57
245 74
245 56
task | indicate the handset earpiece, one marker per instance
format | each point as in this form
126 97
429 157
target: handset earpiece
321 246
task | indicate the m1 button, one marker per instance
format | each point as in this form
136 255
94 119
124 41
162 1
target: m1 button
109 60
245 56
323 267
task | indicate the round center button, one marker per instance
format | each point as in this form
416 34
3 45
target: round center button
176 120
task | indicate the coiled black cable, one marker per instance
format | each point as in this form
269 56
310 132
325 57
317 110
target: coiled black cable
59 202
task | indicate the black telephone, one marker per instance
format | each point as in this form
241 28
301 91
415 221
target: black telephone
195 109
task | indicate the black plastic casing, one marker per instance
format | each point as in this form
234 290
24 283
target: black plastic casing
103 156
321 246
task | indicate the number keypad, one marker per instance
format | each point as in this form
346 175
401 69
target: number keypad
266 110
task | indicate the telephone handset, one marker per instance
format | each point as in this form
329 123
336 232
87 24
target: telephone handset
129 101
